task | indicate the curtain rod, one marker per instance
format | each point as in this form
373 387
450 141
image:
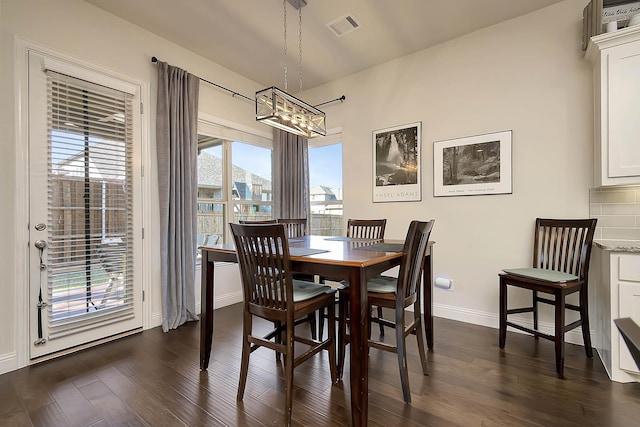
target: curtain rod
234 93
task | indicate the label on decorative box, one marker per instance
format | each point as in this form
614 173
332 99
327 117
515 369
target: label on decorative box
620 12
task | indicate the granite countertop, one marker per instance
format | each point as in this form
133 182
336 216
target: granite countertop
619 245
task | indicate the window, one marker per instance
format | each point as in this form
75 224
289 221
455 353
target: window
90 187
234 180
211 194
325 188
251 178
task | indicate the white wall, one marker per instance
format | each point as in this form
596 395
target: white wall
526 75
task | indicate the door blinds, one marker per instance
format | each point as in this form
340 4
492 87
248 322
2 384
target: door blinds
90 246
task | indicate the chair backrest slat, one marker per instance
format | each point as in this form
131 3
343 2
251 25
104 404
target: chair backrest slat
366 228
564 245
413 253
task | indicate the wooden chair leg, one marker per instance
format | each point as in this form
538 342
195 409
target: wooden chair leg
342 332
559 333
584 316
402 357
312 324
331 324
380 323
420 336
503 314
246 351
278 338
535 311
288 374
321 316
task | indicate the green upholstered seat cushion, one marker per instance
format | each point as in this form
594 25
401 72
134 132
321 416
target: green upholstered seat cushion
379 284
542 274
382 285
303 290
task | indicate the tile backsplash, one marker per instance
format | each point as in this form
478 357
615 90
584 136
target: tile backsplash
618 212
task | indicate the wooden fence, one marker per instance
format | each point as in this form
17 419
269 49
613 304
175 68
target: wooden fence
71 221
211 222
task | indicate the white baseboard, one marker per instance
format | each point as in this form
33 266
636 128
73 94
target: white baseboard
219 302
492 320
8 362
227 299
222 300
156 319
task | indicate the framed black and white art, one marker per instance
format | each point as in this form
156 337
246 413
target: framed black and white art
473 165
396 163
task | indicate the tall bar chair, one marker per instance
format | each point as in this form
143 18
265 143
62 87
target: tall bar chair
271 293
362 229
561 256
398 294
368 229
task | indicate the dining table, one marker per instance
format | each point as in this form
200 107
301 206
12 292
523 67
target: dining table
335 258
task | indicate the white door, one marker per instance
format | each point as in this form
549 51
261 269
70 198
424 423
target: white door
84 198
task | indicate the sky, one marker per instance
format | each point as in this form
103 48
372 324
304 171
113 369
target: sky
325 163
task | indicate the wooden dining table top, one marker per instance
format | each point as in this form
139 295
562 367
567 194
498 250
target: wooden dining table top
335 250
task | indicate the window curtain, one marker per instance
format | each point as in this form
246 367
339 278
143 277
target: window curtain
290 176
177 143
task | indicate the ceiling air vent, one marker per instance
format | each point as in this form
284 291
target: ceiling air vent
343 25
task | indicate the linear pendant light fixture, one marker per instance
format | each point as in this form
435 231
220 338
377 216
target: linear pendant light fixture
277 108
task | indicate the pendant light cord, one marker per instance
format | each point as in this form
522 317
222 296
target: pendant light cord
284 7
300 57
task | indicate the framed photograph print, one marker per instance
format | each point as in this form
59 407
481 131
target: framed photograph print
473 165
396 163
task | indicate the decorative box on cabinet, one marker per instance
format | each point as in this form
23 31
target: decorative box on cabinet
616 59
617 295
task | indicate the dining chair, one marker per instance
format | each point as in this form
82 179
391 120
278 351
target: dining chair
362 229
561 256
398 294
296 227
368 229
271 293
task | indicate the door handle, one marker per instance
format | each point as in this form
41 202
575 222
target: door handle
41 244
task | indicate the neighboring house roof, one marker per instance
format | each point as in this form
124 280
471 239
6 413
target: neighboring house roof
323 191
210 174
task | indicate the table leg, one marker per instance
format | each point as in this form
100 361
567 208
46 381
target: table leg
206 312
359 335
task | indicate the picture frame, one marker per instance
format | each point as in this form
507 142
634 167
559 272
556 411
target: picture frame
473 165
397 174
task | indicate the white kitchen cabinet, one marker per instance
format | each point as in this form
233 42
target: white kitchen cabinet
617 294
616 59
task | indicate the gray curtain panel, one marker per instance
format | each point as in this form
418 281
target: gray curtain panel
290 176
177 147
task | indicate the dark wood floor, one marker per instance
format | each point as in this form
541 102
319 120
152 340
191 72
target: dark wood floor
153 379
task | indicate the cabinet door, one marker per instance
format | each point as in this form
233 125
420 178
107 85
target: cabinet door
624 110
629 299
